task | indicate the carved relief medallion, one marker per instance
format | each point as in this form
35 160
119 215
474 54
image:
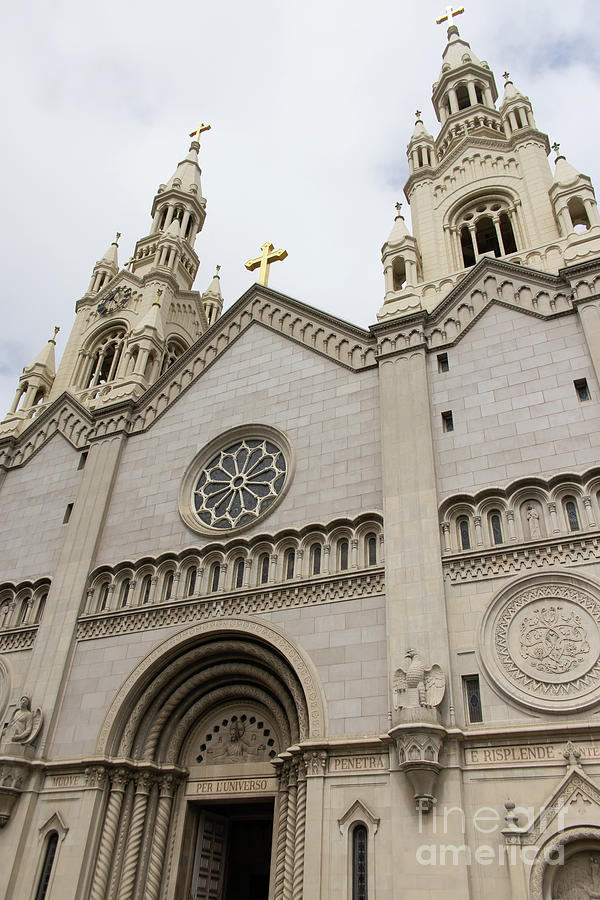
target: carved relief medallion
540 642
243 737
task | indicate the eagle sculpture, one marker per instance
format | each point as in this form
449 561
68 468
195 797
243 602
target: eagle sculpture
418 686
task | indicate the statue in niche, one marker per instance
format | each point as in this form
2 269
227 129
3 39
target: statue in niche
578 878
24 725
238 748
417 686
533 520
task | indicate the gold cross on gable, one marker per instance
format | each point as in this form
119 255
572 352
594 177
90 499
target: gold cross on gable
198 131
269 255
449 14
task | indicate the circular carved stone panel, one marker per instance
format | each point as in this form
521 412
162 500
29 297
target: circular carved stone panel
540 642
236 480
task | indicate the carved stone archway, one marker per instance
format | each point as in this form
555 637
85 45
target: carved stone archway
567 848
153 722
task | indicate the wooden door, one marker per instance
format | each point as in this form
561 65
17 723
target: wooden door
211 855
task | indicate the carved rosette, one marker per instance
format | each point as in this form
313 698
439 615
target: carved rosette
540 643
419 749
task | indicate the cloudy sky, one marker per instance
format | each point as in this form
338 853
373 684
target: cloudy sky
311 106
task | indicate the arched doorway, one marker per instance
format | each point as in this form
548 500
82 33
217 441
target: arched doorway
210 779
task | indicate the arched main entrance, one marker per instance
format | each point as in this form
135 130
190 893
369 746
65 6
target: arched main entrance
204 741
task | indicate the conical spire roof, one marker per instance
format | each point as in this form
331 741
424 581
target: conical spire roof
152 321
213 291
564 173
419 130
186 176
45 360
510 91
111 257
456 49
399 230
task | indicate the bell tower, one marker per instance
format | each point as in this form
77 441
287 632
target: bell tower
483 187
132 323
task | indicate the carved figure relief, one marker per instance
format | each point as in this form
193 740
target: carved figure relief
533 520
541 642
24 725
239 739
417 686
578 878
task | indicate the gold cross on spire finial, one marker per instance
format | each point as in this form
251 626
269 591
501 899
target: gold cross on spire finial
56 330
556 147
269 255
198 131
418 114
506 75
398 208
449 14
116 240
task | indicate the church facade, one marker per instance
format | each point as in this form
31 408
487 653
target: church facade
292 609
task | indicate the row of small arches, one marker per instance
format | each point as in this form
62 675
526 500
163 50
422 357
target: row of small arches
532 513
22 605
238 569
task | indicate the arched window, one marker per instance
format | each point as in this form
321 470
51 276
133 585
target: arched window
191 581
168 588
103 599
289 563
239 573
496 527
263 568
343 555
492 223
215 574
315 557
189 228
4 614
124 592
359 863
462 95
572 515
106 354
23 611
163 218
463 533
399 272
173 351
578 213
478 93
51 845
40 609
146 585
371 549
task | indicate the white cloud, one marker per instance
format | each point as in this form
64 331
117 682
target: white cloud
311 105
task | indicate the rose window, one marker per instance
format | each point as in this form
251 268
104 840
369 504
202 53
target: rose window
239 484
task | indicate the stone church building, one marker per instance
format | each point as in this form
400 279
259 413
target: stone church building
291 609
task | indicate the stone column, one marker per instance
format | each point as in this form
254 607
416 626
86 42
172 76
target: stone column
290 833
326 552
589 512
453 101
478 531
472 94
159 839
281 832
446 536
510 518
315 768
554 518
354 553
300 838
134 837
109 833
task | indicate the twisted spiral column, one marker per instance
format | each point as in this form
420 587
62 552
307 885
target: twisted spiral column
109 833
290 835
281 835
159 840
134 838
299 837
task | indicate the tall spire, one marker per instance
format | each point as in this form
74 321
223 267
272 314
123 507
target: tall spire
212 298
105 268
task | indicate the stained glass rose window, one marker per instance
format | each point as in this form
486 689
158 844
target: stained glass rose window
236 483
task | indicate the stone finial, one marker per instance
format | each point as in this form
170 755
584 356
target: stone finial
572 754
398 208
510 817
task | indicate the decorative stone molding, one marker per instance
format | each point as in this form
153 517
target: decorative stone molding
419 746
359 811
14 776
65 416
18 639
558 552
334 588
539 642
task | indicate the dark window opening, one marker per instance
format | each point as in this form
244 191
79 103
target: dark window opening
465 537
399 273
473 699
82 459
487 238
462 95
371 549
51 845
496 524
447 420
479 93
168 587
343 554
215 574
508 235
67 514
290 560
239 573
578 213
466 243
264 568
582 389
359 863
125 592
518 118
103 597
146 585
442 362
316 559
572 515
